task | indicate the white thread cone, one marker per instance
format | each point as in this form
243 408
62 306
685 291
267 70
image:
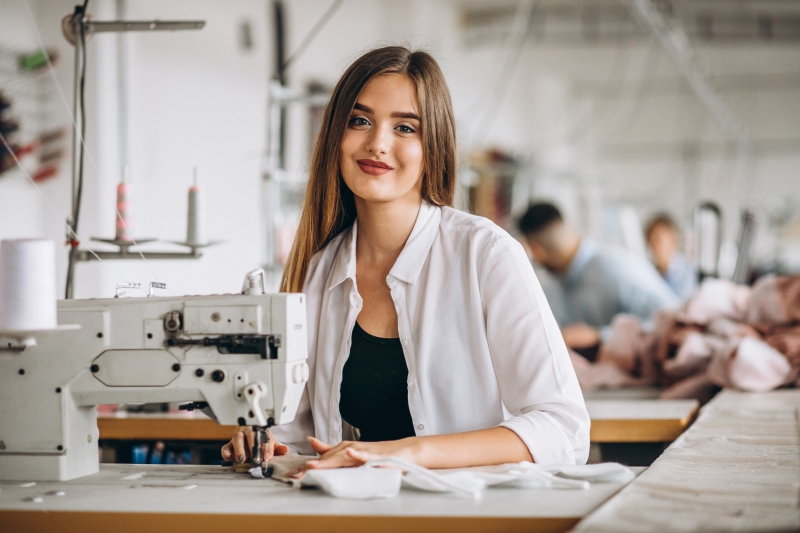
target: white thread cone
196 227
27 285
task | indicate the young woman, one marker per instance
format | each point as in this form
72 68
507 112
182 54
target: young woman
428 330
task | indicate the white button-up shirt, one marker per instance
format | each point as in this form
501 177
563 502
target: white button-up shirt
480 342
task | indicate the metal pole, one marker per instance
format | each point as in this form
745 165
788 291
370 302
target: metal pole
122 87
77 21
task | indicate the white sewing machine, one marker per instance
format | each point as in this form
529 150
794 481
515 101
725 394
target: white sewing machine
240 356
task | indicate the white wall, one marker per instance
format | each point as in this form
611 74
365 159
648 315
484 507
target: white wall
27 211
196 99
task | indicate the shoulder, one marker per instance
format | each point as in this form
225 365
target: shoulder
476 230
482 243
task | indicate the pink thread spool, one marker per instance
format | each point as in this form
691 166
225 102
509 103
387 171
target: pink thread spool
124 225
196 223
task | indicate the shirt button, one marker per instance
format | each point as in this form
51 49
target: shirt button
420 426
411 385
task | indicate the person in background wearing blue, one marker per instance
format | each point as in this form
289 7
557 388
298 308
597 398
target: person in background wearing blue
595 283
663 239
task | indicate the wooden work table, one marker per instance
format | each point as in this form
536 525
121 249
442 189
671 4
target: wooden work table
175 498
639 420
736 469
613 420
193 426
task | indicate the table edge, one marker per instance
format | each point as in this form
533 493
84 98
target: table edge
157 522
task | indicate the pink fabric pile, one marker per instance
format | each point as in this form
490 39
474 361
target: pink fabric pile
726 335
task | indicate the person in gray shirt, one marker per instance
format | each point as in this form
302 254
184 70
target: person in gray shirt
595 283
663 239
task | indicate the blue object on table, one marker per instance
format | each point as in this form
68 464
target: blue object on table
139 453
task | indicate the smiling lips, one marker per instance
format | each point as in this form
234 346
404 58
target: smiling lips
373 167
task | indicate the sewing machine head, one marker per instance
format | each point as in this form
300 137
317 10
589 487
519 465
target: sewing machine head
241 357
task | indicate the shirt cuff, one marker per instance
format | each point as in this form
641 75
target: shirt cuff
544 438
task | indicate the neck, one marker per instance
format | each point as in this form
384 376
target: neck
384 228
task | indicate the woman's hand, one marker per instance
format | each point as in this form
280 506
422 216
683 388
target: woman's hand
352 453
238 449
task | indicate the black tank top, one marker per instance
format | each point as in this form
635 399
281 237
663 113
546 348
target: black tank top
374 391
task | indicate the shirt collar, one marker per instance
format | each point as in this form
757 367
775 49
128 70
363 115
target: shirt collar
586 251
409 262
344 263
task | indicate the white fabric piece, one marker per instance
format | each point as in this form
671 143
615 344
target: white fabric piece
418 477
355 483
529 476
257 472
479 339
382 478
596 473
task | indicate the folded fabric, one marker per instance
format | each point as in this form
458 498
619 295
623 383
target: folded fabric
383 478
355 483
775 300
717 298
751 365
597 473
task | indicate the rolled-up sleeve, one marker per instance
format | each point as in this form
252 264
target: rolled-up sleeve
537 383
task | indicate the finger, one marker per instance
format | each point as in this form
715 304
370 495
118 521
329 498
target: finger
250 440
281 449
361 455
339 460
319 446
240 450
270 450
227 451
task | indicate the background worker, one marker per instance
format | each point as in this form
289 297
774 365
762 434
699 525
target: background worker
663 239
596 283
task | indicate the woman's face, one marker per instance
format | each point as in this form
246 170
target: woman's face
381 158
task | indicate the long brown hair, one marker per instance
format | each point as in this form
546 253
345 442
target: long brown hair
329 207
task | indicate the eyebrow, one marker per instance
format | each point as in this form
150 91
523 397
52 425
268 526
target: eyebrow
396 114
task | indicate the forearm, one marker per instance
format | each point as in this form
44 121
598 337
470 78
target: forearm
492 446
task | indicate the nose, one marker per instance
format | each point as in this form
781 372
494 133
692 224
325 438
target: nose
379 141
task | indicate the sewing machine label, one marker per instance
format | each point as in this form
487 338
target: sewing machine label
223 320
136 368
